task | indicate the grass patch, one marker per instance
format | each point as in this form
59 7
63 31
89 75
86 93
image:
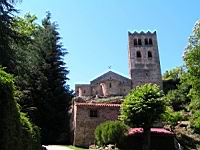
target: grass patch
75 148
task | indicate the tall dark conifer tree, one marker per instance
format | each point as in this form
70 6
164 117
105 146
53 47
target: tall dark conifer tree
52 92
7 34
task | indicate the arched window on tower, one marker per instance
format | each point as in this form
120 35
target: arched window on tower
146 41
150 42
139 42
110 85
135 42
138 54
149 54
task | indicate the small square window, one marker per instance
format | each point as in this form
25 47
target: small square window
93 113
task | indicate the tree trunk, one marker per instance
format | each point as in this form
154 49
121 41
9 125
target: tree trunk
147 139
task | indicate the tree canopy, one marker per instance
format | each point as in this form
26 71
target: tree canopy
192 62
34 54
141 108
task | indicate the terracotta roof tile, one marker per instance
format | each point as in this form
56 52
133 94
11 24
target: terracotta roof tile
98 104
133 131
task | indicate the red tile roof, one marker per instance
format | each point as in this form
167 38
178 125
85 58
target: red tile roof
98 104
133 131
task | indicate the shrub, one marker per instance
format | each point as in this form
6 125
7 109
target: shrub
195 122
17 132
172 117
111 132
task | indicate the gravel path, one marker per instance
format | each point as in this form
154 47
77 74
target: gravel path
57 147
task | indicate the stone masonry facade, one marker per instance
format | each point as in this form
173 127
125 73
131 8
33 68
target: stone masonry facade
143 58
88 116
108 84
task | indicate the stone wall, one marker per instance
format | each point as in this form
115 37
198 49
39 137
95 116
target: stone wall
114 88
83 89
85 124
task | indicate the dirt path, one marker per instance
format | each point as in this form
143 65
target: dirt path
57 147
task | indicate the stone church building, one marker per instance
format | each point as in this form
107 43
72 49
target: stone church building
100 100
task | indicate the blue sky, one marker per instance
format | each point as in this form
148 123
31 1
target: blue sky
95 32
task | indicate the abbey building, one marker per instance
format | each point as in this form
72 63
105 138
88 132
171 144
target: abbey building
100 100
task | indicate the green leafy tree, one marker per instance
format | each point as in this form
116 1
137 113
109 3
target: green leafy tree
26 57
111 132
172 117
191 58
195 121
192 62
177 87
141 108
173 74
177 100
171 78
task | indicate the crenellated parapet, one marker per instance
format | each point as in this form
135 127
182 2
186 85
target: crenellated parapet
135 33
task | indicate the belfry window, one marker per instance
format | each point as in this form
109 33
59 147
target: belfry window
150 42
139 42
138 54
146 41
110 85
149 54
135 42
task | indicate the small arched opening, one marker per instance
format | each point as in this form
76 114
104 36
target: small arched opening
146 41
110 85
149 54
150 42
138 54
139 42
135 42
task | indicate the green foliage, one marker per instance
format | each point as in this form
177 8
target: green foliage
177 99
34 54
172 117
192 62
195 121
30 128
142 106
41 76
111 132
173 74
15 129
171 79
8 36
26 25
191 58
6 81
50 92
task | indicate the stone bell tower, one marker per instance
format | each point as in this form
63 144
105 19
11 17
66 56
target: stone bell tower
143 58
